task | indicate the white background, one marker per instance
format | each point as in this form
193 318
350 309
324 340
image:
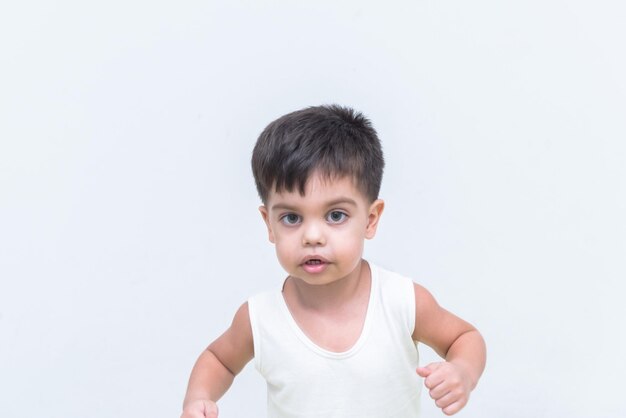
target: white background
129 230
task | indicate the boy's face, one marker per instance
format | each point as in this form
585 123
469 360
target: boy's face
319 237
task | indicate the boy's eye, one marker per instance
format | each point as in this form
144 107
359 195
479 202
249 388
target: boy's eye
290 219
336 217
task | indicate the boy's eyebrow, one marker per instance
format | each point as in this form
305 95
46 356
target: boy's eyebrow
281 206
344 200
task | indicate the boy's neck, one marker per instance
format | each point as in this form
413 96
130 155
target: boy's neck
330 296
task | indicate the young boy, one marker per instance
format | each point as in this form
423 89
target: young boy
339 339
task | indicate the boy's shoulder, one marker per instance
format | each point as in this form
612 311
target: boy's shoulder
397 294
390 278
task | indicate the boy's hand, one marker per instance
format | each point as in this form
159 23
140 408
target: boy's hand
200 409
448 384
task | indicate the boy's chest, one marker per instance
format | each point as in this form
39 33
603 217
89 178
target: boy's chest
332 331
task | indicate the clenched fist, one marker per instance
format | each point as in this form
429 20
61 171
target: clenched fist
448 384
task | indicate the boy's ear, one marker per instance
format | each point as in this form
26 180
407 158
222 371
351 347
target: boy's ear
375 212
266 218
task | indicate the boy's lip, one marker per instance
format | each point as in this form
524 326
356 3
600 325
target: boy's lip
314 268
313 257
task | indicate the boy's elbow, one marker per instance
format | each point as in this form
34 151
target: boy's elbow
215 359
469 337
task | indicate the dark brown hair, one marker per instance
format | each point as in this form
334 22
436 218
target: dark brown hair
336 141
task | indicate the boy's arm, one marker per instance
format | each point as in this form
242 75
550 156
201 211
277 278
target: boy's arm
218 365
458 342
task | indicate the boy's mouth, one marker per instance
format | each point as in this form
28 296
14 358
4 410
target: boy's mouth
314 265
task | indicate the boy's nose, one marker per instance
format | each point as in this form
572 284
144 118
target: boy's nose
313 235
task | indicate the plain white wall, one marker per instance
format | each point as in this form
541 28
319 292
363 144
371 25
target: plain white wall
129 231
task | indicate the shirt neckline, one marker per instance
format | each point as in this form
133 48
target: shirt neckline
371 307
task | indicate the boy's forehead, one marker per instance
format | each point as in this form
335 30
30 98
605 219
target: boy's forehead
319 187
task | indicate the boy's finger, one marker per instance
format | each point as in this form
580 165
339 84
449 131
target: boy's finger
435 366
434 379
428 369
439 391
454 407
423 371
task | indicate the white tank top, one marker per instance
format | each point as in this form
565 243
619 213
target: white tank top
375 378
